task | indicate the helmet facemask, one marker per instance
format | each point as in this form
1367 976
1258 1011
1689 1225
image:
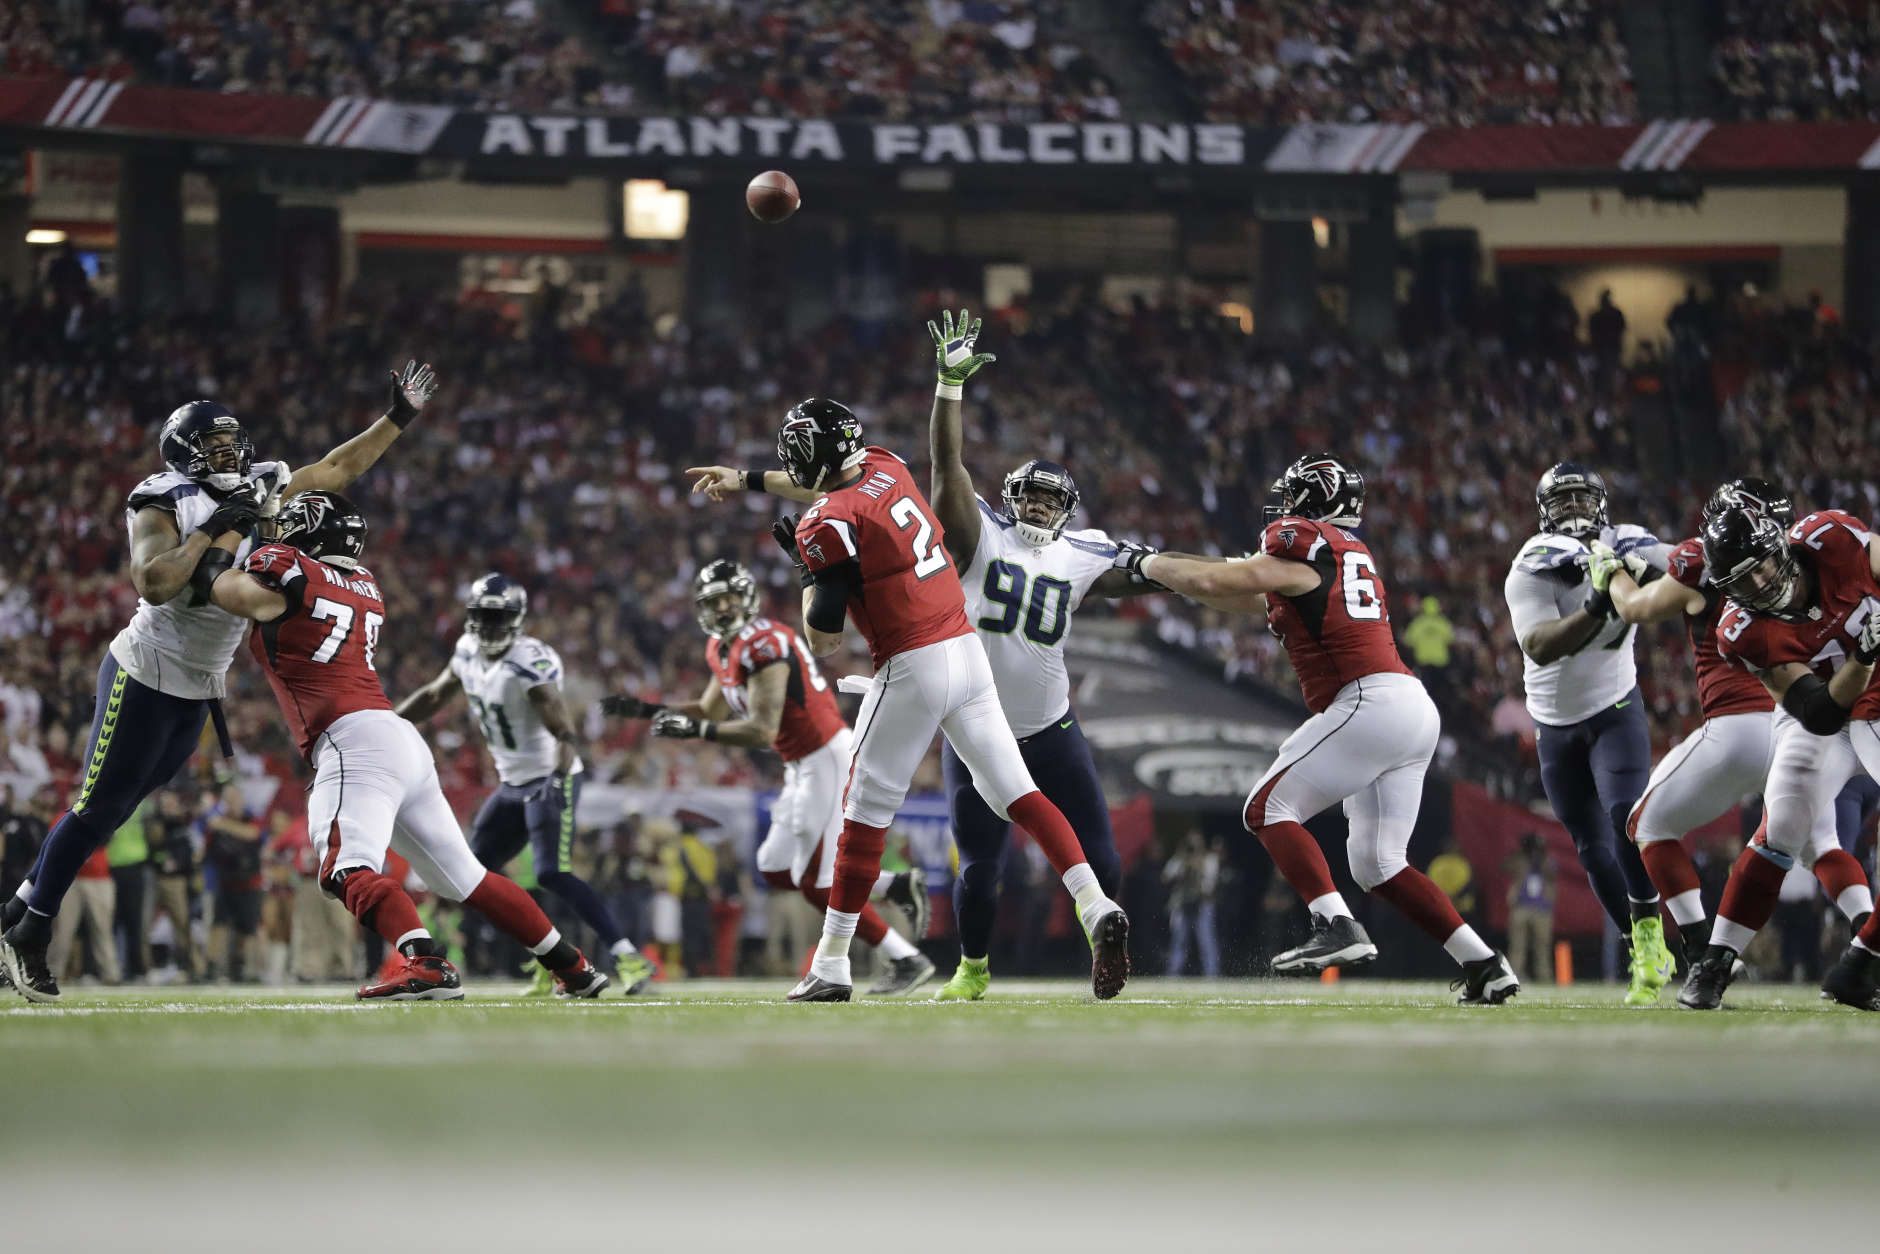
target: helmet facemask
724 600
494 627
1040 498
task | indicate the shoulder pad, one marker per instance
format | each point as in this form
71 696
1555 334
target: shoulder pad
1295 539
1547 552
996 517
1091 541
161 490
275 565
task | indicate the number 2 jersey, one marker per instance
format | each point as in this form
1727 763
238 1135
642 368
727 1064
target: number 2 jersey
811 717
1832 547
1020 599
520 744
1339 631
318 655
910 596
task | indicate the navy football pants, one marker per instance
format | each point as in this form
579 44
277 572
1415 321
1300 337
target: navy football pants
1594 773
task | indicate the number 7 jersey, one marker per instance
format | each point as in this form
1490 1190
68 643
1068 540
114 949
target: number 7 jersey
318 655
1339 631
910 595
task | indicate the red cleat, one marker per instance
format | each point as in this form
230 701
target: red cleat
584 980
414 979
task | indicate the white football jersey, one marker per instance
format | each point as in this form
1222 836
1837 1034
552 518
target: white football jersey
180 649
498 688
1020 600
1549 580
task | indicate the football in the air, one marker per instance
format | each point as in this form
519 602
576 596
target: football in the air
772 196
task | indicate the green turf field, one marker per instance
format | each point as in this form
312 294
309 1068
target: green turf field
699 1118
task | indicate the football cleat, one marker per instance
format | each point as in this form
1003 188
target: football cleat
970 981
583 980
1851 980
541 980
1109 955
815 988
1487 981
1333 942
636 971
1652 963
425 978
24 964
904 976
908 890
1704 987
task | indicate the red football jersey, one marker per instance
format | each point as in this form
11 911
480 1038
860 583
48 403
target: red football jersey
1833 547
911 595
811 717
318 655
1339 631
1721 688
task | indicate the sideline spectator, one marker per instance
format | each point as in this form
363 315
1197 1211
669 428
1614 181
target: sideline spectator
1193 874
1531 911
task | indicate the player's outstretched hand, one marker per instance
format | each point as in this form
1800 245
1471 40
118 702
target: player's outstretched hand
1867 646
624 706
677 726
953 348
1130 556
716 482
411 388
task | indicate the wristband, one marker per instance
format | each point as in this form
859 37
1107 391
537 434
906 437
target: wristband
1142 567
1599 605
948 391
754 481
707 729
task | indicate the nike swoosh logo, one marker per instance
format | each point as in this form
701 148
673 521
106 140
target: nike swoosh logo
1066 723
1623 704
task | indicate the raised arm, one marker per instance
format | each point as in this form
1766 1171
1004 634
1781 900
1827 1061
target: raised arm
1237 586
766 691
434 696
718 482
955 503
410 389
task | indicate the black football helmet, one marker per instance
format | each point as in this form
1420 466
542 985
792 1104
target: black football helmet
1750 561
1757 495
185 439
496 607
1571 501
724 577
819 438
1047 480
324 525
1321 488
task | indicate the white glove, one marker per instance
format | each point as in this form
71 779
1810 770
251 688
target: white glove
1867 647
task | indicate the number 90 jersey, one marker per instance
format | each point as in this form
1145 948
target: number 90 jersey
811 717
520 744
1831 546
1339 631
1020 600
910 596
318 655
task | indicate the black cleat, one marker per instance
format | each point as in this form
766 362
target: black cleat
1339 942
1109 955
1852 979
1486 982
908 890
1710 976
24 964
815 988
904 976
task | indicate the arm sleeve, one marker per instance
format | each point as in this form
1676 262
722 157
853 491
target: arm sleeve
829 604
1530 602
1809 700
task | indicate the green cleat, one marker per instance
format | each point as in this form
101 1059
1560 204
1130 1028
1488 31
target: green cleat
635 973
1652 963
969 982
541 980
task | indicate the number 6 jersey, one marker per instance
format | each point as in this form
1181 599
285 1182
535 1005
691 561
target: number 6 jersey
910 596
1020 599
1339 631
498 688
318 655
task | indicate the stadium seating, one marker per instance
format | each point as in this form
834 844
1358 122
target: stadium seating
1807 61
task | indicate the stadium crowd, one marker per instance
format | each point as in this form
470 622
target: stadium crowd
553 453
1438 62
1813 60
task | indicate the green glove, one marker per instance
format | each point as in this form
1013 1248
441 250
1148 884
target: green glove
1604 565
953 349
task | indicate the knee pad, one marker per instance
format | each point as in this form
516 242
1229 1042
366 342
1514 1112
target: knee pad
873 800
1371 867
